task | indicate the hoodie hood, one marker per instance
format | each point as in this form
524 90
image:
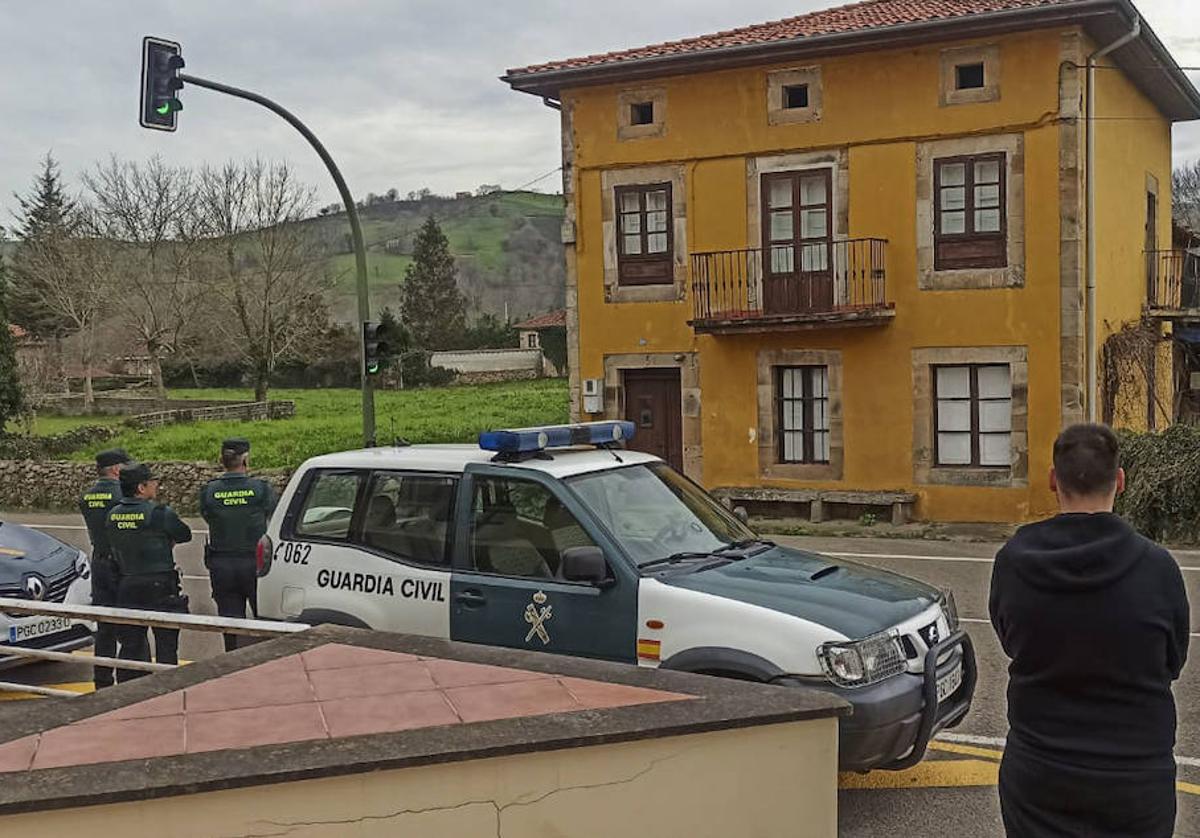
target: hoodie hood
1075 551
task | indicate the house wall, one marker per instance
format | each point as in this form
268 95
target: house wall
1133 156
877 112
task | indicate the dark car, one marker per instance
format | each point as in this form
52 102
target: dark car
37 566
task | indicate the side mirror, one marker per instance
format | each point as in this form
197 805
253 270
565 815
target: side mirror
585 564
740 513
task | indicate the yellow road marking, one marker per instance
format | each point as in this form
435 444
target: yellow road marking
940 774
950 773
965 750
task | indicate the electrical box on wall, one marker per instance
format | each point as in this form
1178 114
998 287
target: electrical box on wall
593 395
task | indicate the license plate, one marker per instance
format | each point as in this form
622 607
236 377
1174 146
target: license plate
38 628
949 683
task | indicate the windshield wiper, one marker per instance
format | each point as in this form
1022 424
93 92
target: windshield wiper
745 544
675 558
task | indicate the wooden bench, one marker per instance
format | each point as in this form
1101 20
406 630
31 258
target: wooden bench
901 503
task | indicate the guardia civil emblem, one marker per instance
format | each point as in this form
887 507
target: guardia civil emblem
537 614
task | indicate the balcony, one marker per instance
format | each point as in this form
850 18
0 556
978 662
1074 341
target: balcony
810 286
1173 284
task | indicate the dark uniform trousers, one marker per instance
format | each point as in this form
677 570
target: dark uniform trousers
234 585
105 577
151 592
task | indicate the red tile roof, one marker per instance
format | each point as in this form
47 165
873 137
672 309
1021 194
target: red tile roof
545 321
872 14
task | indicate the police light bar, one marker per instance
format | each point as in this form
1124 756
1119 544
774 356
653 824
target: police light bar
525 440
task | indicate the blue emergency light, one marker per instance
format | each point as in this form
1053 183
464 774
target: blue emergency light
528 440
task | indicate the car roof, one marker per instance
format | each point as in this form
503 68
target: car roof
563 462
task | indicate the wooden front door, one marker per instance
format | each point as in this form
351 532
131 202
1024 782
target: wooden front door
797 237
652 404
1152 245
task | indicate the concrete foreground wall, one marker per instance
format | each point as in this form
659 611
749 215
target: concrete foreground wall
773 780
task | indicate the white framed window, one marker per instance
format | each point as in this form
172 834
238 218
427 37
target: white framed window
802 403
973 415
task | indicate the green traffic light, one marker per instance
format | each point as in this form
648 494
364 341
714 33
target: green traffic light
163 109
372 368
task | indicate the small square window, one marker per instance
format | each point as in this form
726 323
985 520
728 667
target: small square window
968 76
795 96
641 113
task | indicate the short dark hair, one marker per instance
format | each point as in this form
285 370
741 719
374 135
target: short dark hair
232 459
1086 460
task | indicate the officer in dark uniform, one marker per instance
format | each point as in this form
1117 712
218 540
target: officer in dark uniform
237 508
143 535
94 504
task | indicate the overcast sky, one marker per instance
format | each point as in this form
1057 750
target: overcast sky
403 92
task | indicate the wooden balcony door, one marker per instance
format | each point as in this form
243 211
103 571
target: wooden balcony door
797 241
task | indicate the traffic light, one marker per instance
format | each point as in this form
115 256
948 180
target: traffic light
376 346
161 63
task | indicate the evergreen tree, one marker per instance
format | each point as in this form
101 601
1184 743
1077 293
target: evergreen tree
45 215
433 310
10 384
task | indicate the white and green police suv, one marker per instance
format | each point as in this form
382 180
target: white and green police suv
558 539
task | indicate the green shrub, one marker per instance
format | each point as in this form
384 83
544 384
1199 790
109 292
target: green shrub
1162 489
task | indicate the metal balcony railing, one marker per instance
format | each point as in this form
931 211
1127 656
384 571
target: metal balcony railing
1173 279
805 284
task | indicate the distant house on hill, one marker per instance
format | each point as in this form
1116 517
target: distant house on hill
532 328
547 332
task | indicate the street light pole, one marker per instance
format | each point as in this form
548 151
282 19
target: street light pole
360 250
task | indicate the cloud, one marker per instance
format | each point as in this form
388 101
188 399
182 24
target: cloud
404 95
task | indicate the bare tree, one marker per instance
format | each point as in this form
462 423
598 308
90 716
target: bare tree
148 211
74 273
265 268
1185 195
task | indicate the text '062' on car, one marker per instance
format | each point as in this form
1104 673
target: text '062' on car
557 539
36 566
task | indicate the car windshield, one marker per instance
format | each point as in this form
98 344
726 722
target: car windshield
655 512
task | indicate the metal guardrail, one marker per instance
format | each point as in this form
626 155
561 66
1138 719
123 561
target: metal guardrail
128 617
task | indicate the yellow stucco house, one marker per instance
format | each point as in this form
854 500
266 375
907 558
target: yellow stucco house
844 260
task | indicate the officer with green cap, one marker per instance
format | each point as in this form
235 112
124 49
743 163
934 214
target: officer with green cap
94 504
237 508
143 534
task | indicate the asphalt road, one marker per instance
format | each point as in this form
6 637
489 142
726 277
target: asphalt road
952 793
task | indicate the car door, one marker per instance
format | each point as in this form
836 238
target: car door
513 527
366 547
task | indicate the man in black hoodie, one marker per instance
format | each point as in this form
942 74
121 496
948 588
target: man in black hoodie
1095 620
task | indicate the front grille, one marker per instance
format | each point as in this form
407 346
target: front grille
56 587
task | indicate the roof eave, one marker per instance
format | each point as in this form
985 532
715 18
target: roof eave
1182 102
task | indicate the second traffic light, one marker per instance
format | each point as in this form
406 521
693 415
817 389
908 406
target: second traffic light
161 63
377 348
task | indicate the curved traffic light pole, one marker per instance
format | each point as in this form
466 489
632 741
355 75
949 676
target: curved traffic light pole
360 251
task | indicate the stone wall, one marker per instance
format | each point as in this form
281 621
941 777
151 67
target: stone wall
55 485
123 405
488 360
244 412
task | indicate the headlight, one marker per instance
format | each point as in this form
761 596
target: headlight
950 609
859 663
83 566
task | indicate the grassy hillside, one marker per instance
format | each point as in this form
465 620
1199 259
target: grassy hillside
506 244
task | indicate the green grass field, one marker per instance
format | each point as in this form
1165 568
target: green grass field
330 420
